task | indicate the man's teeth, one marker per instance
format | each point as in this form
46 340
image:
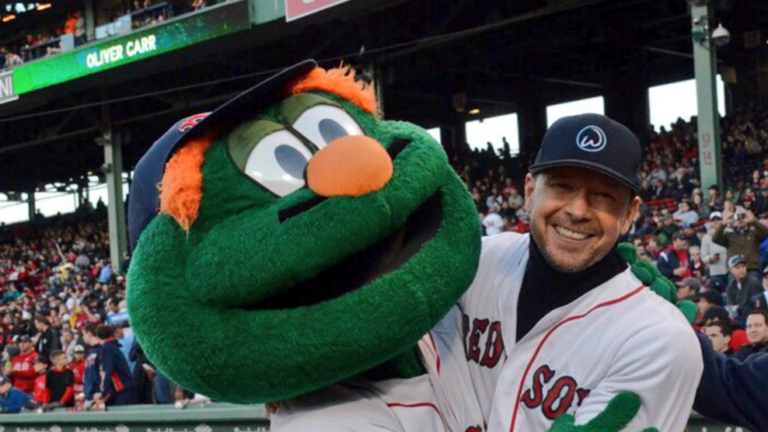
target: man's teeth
570 234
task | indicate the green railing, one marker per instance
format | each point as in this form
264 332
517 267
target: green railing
144 418
215 417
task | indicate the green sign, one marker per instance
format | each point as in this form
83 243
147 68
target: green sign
159 39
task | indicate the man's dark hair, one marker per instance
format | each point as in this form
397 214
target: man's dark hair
42 320
763 313
104 331
724 327
90 328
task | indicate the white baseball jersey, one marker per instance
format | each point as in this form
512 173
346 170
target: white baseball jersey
397 405
618 337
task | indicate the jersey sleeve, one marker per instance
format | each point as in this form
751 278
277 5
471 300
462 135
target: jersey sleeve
662 365
333 410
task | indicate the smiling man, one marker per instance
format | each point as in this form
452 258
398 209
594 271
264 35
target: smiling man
574 326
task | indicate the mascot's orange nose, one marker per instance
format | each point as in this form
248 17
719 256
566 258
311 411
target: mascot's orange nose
349 166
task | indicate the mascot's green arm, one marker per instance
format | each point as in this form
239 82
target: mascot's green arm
624 406
616 416
650 276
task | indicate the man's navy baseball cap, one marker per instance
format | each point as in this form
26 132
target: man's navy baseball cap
144 199
592 141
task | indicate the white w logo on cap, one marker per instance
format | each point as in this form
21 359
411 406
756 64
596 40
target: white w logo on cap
591 139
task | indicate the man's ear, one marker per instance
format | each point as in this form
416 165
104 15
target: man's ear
530 187
632 211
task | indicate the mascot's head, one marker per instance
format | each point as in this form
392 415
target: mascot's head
300 240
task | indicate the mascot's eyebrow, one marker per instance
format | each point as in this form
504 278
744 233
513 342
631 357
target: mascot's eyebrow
341 82
182 187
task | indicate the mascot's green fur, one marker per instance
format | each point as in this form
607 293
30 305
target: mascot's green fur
266 297
275 268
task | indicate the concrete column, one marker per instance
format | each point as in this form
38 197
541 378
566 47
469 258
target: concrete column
532 120
90 20
705 66
113 169
627 102
31 204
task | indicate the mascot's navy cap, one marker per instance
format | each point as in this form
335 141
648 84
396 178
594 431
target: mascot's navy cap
592 141
144 200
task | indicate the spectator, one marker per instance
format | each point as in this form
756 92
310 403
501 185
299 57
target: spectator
760 206
22 366
720 334
92 376
492 222
714 201
515 200
41 395
757 333
60 381
688 288
707 299
68 343
77 366
685 215
719 314
742 289
674 263
12 400
47 341
713 254
698 268
117 383
11 58
745 238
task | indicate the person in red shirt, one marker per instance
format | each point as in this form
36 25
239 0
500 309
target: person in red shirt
22 371
41 395
78 368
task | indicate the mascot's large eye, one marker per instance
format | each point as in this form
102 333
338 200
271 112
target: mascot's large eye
324 123
277 163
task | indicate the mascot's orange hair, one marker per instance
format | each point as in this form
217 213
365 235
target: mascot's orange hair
341 82
181 189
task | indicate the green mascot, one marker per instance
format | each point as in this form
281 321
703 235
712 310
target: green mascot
294 246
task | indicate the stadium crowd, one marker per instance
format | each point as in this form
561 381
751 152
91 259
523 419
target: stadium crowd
64 323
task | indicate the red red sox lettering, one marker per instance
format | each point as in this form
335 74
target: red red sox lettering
558 398
488 353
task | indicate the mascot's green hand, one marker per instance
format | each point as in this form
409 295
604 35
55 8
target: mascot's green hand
616 416
650 276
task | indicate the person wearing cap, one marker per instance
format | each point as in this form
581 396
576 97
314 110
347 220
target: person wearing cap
12 400
713 254
22 366
742 289
688 288
744 239
581 193
674 263
77 366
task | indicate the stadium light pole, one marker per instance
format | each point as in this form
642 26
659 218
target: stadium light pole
705 65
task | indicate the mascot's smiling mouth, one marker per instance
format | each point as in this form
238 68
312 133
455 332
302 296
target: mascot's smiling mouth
361 268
